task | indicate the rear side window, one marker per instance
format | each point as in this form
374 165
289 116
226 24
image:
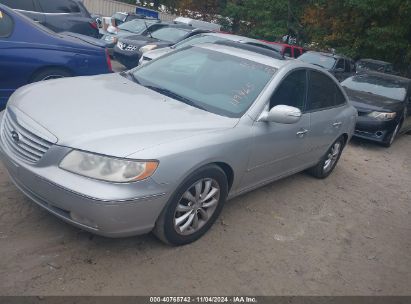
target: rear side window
25 5
59 6
6 25
323 92
291 91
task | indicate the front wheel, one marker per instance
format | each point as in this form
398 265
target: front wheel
328 162
391 137
194 207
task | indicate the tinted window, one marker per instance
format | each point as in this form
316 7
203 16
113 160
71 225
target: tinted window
297 53
287 52
219 83
347 66
340 64
59 6
291 91
6 25
323 92
26 5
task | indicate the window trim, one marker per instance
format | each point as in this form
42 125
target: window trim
13 25
309 71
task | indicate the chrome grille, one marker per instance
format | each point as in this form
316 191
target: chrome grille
23 143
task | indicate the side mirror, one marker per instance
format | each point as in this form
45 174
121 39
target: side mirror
283 114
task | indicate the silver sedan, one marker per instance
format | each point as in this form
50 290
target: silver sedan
162 147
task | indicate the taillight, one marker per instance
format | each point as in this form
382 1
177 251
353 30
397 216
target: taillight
110 67
93 24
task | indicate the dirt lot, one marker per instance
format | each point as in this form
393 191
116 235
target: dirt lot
347 235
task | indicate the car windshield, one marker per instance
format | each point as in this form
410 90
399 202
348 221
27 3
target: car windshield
389 88
373 66
169 34
213 81
136 26
197 39
326 62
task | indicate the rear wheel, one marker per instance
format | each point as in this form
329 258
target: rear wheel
328 162
194 207
51 73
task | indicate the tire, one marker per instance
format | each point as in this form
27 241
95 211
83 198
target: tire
328 162
51 73
391 137
189 229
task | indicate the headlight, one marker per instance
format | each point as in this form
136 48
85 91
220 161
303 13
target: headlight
147 48
382 115
107 168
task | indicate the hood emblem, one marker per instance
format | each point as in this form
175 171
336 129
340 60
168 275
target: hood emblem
15 136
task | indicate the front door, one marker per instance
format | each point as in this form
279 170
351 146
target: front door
280 149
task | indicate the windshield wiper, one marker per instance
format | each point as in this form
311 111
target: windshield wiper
175 96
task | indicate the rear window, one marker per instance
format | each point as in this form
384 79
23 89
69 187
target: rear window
6 25
59 6
169 34
25 5
326 62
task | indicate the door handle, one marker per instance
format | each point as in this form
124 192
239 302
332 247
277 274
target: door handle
302 133
337 124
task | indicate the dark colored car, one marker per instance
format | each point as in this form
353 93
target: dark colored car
128 50
383 103
30 52
364 65
340 66
134 27
57 15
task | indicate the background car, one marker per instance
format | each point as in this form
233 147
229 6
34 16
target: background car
168 143
134 27
341 67
57 15
129 50
30 52
292 51
204 38
123 17
383 103
364 65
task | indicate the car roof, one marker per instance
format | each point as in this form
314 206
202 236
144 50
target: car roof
336 56
244 53
385 76
374 61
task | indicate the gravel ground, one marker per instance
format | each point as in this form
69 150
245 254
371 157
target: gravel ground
349 234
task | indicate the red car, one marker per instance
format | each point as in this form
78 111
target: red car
288 50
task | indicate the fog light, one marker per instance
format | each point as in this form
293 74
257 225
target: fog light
378 134
82 220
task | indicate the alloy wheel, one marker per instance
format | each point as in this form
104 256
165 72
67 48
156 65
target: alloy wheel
332 156
196 206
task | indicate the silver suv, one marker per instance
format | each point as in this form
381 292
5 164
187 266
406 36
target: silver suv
163 146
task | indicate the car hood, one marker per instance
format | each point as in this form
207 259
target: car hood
112 115
370 102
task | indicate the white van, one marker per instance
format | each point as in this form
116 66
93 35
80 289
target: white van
199 24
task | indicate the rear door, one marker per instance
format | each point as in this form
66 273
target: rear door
328 107
26 7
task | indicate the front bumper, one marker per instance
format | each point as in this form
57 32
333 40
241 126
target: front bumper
129 59
112 210
373 129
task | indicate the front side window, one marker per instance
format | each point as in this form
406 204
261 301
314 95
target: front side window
24 5
219 83
59 6
169 34
323 92
291 91
6 25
